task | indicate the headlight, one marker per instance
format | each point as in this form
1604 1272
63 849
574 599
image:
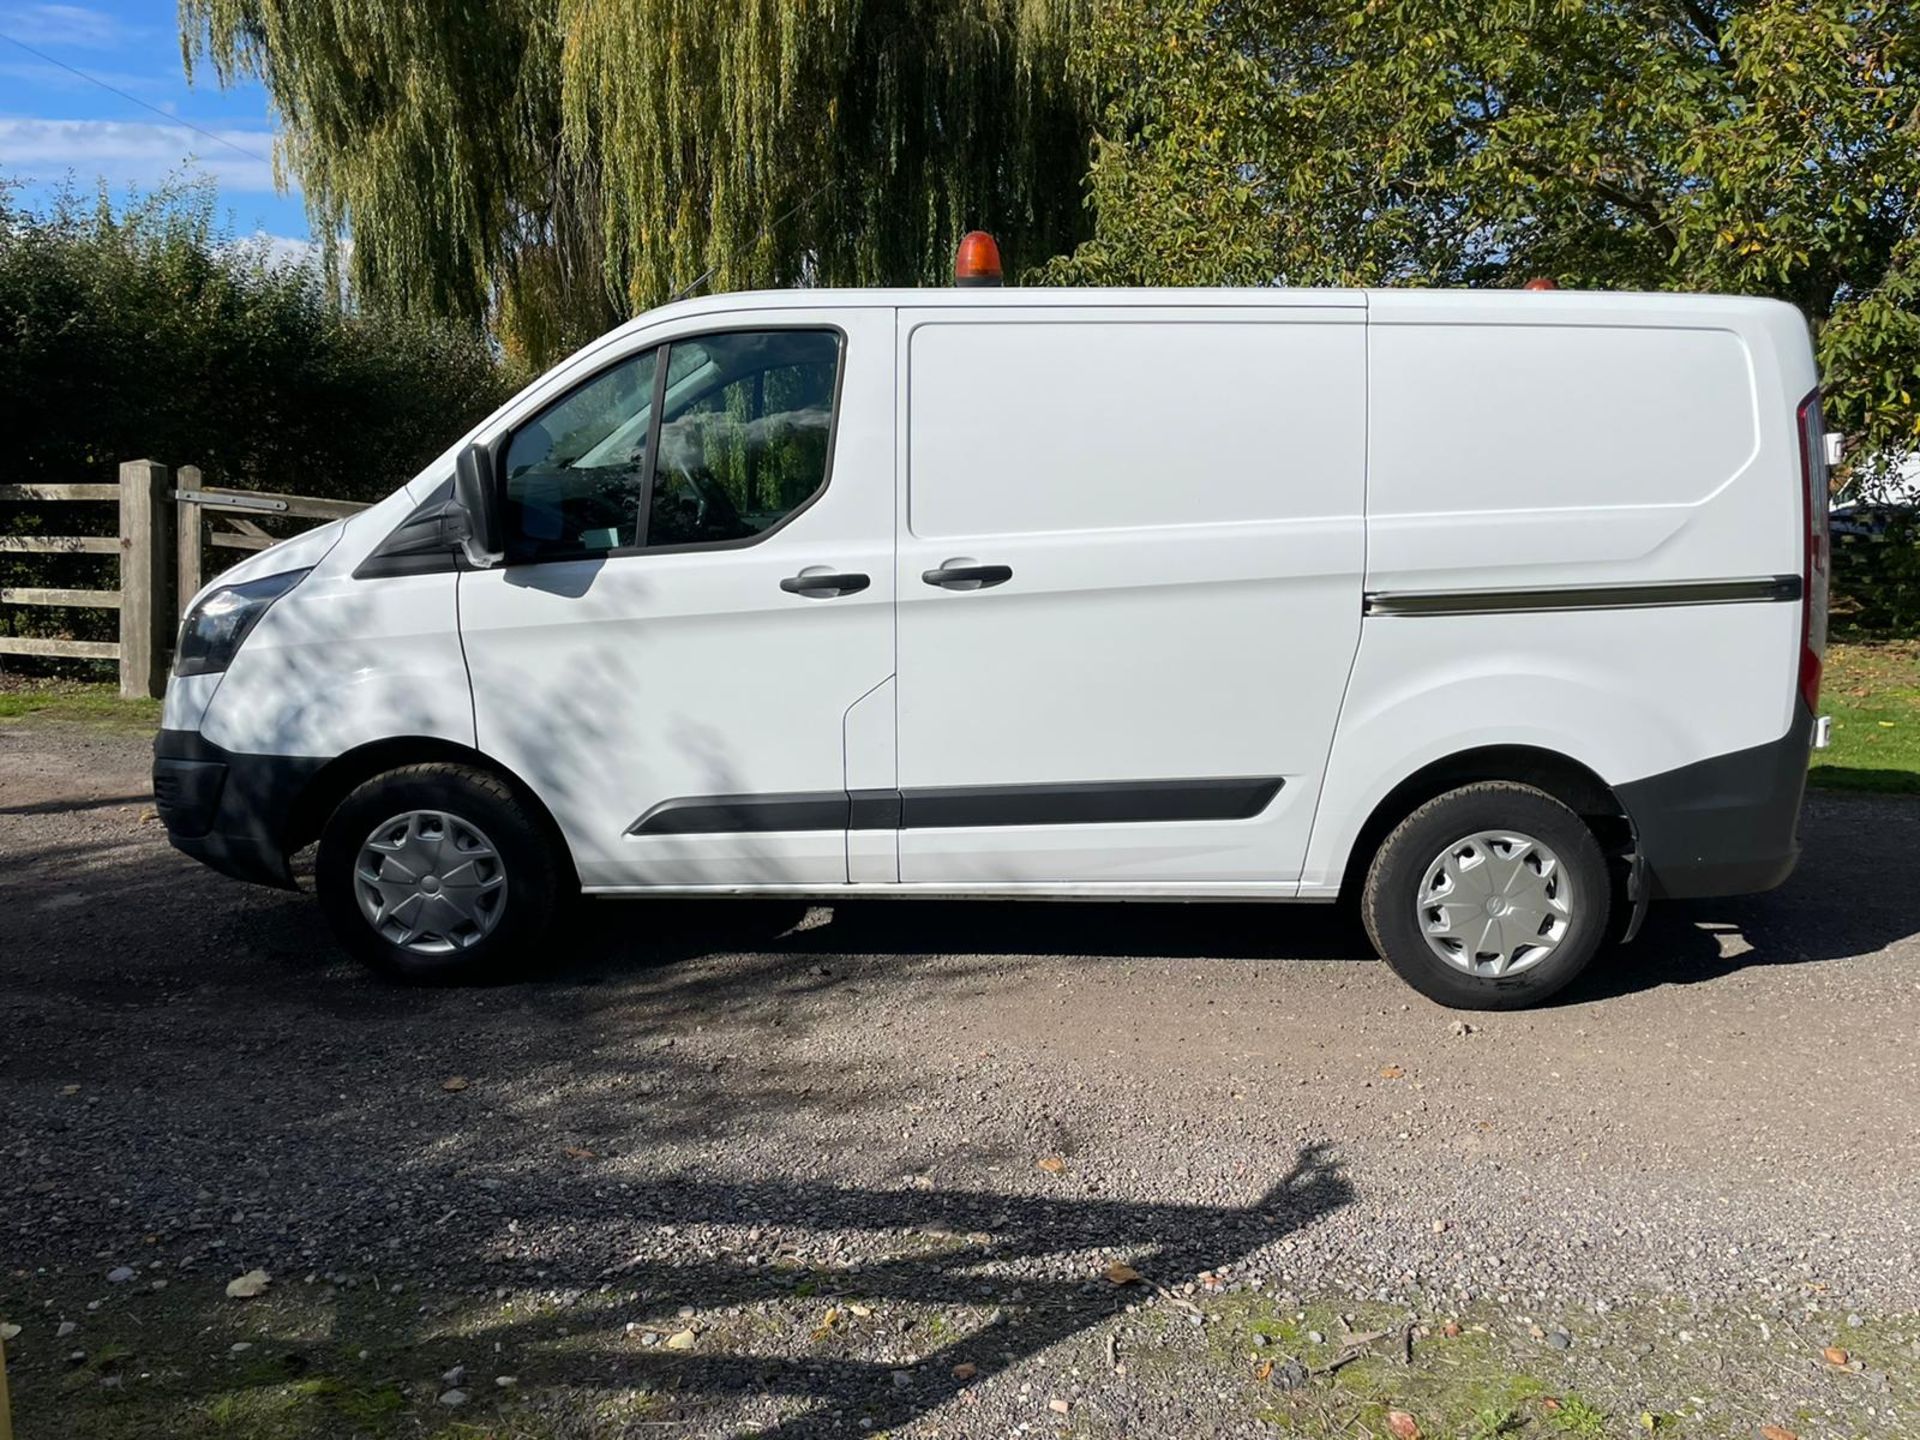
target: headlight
214 629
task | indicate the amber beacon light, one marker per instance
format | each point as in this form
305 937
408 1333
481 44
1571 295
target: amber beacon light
978 261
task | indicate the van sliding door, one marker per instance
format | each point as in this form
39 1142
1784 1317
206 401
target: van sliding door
1129 574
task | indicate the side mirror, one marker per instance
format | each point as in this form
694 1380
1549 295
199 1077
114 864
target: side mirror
476 487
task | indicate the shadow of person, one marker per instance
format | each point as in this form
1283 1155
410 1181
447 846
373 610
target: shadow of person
1165 1243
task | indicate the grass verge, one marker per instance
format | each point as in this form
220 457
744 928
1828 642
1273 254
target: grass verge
95 704
1872 691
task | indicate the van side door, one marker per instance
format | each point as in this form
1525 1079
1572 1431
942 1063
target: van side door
1130 565
698 588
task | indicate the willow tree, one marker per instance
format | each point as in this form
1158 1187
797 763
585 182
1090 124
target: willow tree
559 164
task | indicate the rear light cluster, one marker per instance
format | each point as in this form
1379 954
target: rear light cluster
1813 594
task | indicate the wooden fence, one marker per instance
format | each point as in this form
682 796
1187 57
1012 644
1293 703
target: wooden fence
142 594
202 511
157 576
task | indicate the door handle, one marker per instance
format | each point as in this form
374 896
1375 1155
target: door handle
816 585
965 575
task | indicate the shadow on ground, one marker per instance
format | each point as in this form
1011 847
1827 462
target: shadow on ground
951 1236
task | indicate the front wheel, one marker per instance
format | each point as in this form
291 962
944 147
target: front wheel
436 872
1490 897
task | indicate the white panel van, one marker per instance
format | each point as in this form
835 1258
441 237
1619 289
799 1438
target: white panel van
1499 612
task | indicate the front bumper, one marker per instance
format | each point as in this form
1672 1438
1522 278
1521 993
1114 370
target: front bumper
1727 825
227 809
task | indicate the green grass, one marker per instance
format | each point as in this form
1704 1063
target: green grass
75 700
272 1406
1576 1417
1493 1422
1628 1373
1872 691
1467 1385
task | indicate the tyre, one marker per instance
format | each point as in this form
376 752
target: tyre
437 873
1490 897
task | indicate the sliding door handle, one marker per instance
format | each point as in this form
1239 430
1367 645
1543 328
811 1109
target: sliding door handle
965 575
824 585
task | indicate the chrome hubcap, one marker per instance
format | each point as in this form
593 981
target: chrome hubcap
1495 903
430 882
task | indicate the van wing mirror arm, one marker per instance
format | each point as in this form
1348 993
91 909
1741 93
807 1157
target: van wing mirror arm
478 491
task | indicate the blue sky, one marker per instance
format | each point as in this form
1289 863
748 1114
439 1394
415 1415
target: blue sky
55 125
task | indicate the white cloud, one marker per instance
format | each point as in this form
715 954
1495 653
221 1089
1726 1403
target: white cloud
62 25
286 251
138 154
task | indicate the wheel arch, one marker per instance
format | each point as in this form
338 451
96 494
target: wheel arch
1567 780
346 772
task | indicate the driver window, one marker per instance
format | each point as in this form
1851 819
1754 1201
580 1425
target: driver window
744 434
576 472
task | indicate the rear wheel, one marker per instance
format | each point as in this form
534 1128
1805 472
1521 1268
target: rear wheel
436 872
1490 897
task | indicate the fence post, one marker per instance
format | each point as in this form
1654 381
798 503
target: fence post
187 522
146 608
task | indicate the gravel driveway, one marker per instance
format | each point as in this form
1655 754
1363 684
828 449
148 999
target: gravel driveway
733 1168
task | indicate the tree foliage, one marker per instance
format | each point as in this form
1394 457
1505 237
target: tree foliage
145 333
561 164
1767 147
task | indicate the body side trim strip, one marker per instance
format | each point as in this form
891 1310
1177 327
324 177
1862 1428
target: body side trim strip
736 814
1761 589
1087 803
874 810
1095 803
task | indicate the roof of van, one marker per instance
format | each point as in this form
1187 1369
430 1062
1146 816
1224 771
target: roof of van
1392 302
996 296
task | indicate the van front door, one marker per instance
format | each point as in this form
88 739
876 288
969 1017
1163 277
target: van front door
698 591
1130 589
